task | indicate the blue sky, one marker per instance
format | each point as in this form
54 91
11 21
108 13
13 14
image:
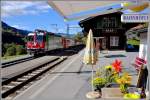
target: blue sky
38 14
33 15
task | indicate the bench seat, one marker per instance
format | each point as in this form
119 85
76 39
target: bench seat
138 63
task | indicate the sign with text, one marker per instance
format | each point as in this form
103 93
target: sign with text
134 18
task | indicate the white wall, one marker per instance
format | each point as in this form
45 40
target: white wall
143 46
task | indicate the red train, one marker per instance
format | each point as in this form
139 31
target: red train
41 41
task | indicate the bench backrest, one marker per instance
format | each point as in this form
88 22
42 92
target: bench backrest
139 62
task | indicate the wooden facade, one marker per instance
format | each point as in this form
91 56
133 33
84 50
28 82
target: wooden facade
108 29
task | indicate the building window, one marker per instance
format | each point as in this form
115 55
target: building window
98 24
104 43
105 22
109 22
113 22
114 41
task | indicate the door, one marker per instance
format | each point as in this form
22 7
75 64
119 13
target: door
104 43
114 41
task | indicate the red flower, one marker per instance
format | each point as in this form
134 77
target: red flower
117 65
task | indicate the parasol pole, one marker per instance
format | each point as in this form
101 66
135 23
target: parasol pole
92 78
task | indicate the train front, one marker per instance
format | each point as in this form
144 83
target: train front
36 42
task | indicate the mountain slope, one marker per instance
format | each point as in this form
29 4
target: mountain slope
13 35
14 31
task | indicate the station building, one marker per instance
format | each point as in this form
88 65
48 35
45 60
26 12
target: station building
108 30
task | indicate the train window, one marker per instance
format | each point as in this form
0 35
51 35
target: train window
40 38
30 38
44 38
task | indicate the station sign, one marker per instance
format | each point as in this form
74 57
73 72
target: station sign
134 18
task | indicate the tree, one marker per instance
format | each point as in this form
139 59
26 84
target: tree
11 51
20 50
5 47
84 40
79 37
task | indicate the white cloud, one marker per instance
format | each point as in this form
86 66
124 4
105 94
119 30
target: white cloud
62 30
10 8
19 27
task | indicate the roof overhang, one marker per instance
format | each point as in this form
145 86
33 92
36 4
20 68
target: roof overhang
68 8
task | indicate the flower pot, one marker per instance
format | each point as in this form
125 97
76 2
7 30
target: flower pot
111 93
124 88
98 88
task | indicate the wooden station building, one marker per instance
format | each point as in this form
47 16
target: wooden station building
108 30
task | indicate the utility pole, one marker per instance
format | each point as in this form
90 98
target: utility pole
55 27
68 29
71 27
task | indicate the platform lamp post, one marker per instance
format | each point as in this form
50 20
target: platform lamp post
67 29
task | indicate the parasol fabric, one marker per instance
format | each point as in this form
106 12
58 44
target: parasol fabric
90 56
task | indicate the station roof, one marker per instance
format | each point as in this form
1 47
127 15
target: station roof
70 8
107 12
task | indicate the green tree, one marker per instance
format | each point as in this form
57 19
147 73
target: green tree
24 39
78 37
20 50
84 40
145 25
11 51
5 47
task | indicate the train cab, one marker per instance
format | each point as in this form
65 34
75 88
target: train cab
36 42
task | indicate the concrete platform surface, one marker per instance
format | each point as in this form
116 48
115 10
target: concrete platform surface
71 79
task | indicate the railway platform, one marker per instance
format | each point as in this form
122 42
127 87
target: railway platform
16 58
71 79
16 69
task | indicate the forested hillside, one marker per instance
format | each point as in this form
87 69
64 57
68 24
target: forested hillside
13 40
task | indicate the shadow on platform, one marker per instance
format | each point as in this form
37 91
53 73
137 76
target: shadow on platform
65 52
76 72
115 56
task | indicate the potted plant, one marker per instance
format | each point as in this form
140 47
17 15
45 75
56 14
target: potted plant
124 81
110 75
131 96
99 83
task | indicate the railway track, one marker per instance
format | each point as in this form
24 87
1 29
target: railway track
15 85
10 63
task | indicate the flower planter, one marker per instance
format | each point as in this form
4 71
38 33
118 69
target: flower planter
111 93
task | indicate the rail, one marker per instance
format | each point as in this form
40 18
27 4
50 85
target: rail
10 63
14 84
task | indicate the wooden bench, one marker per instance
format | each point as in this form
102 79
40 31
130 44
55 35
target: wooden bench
142 77
141 67
138 63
